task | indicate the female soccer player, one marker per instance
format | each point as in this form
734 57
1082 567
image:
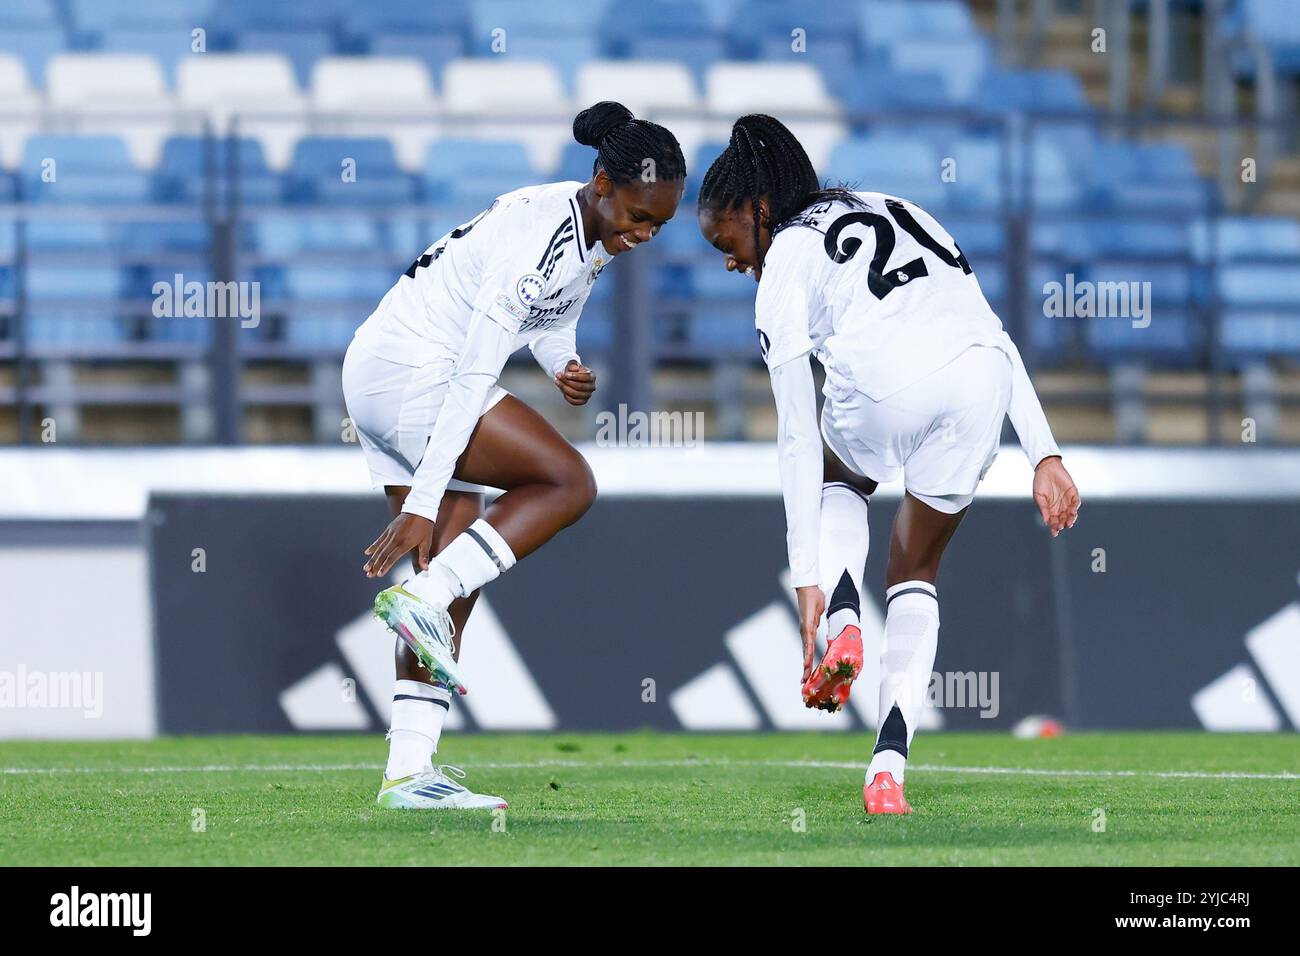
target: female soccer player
919 375
420 382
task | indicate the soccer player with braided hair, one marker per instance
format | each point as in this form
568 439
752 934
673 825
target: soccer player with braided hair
919 376
421 384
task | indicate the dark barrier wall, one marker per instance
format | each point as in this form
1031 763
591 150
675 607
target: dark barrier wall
671 612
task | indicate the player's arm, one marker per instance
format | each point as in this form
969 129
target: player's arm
1054 490
799 451
556 352
487 347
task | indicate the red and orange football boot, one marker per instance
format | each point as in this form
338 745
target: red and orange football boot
882 795
828 687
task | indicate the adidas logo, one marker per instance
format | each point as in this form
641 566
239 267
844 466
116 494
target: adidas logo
1239 699
503 694
761 678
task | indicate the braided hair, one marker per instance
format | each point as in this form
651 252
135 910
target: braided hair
765 160
623 143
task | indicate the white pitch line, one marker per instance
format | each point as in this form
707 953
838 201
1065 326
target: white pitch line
633 764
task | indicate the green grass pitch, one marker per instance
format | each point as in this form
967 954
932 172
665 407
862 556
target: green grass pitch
1092 799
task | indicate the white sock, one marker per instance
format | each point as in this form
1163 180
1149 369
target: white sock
419 710
476 556
845 540
906 665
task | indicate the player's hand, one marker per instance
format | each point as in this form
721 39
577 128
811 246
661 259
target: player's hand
576 383
1055 495
404 533
812 602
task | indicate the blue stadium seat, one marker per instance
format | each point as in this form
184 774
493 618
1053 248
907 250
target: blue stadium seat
1262 284
1037 91
875 88
1139 237
99 15
89 169
889 22
187 161
1248 238
474 170
302 47
285 235
680 19
72 235
169 45
435 51
567 52
237 16
169 236
29 13
522 17
963 62
317 172
34 44
888 163
696 53
406 17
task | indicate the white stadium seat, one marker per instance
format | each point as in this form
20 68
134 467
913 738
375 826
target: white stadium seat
385 96
657 90
123 94
792 92
258 88
509 99
22 108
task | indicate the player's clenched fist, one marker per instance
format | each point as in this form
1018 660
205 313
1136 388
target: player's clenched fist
576 382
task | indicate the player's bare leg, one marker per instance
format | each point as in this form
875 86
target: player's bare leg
916 546
547 486
845 541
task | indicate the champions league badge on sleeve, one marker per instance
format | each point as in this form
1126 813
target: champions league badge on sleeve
530 288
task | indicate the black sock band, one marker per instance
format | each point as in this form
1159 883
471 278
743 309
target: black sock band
893 735
844 596
432 700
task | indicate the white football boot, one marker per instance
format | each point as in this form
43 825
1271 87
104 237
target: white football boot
433 789
427 631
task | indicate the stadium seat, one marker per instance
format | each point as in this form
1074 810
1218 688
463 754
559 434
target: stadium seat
886 163
1243 238
302 47
783 89
963 62
347 171
167 44
696 53
656 90
509 99
474 171
34 44
85 169
120 93
363 88
306 15
435 51
22 106
96 16
891 22
189 161
258 87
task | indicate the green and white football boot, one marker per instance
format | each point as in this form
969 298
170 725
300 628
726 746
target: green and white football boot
433 789
427 631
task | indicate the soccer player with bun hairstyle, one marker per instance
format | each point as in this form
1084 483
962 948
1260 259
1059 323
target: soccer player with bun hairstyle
919 376
421 384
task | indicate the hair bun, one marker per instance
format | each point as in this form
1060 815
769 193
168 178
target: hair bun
592 125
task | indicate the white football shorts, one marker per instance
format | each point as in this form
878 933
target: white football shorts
393 409
941 432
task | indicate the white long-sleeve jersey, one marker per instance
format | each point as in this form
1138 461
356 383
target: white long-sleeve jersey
518 274
882 296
